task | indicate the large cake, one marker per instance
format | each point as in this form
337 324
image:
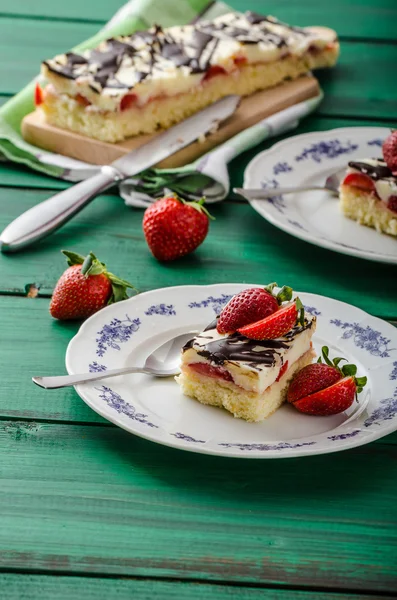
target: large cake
135 84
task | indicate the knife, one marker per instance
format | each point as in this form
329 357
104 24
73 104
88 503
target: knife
46 217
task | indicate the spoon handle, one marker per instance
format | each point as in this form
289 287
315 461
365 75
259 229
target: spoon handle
263 194
60 381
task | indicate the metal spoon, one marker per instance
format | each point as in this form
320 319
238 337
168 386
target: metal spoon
162 362
331 185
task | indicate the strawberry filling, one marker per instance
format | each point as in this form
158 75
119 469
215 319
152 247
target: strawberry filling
392 203
213 71
128 101
210 371
282 371
360 181
82 100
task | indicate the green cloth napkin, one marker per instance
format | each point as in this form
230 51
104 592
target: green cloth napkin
204 176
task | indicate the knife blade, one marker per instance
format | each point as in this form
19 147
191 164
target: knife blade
48 216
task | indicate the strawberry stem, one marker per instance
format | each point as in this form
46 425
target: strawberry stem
92 266
87 264
199 205
73 258
348 370
284 295
301 311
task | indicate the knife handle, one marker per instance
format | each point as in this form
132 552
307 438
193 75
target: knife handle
46 217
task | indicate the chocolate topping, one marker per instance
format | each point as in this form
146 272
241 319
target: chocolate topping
237 347
145 52
378 171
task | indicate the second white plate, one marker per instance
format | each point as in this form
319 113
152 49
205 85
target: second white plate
315 216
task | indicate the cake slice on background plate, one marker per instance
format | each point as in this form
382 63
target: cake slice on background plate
135 84
368 193
245 360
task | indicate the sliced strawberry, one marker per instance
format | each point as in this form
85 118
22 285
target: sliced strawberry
38 95
273 326
392 203
240 60
359 180
213 71
282 371
210 371
311 379
329 401
128 101
82 100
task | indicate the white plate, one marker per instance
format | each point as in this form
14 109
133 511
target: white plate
315 216
125 333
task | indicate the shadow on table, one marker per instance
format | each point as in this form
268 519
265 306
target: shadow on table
355 472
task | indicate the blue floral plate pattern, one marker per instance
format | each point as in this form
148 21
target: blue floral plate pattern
125 333
315 216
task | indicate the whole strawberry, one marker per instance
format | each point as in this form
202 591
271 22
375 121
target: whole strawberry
174 227
389 150
85 287
250 306
325 389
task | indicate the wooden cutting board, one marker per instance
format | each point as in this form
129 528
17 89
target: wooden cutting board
252 109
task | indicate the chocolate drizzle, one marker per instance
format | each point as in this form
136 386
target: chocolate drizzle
240 348
376 172
237 347
144 53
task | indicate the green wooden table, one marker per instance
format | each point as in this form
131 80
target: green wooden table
88 511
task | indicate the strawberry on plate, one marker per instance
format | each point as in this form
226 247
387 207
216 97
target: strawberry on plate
325 388
85 287
250 306
174 227
389 150
277 324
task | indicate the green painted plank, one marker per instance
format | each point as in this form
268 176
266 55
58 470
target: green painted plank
351 90
43 587
357 18
15 175
97 500
360 85
41 40
47 340
254 252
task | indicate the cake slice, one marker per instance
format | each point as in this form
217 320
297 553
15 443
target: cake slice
368 194
248 377
131 85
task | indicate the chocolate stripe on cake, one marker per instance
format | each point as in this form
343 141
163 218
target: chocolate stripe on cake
376 171
125 61
237 347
